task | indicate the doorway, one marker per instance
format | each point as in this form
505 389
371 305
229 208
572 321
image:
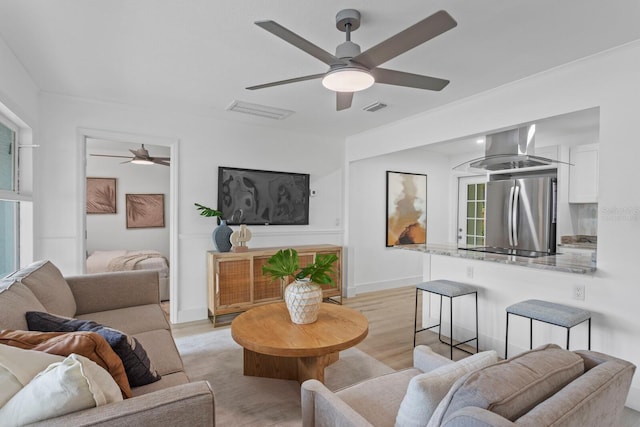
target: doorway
139 230
471 207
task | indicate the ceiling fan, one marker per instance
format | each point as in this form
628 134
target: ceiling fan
141 157
351 70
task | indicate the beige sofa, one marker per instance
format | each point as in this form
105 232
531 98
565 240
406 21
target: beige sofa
547 386
126 301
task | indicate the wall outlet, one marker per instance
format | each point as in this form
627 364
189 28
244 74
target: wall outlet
578 292
470 272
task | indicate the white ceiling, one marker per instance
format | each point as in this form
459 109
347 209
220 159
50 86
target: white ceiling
199 55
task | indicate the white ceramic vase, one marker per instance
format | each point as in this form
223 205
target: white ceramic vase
303 299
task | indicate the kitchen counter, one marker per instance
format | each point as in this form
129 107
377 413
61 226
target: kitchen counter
567 263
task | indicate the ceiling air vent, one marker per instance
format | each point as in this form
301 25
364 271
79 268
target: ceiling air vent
259 110
375 107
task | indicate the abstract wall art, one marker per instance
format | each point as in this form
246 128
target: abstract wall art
145 210
101 195
406 208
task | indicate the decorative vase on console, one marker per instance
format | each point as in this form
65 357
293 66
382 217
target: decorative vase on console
303 296
221 236
222 232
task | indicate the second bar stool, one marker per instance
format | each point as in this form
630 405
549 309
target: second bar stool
449 289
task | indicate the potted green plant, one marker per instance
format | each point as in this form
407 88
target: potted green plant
222 232
304 295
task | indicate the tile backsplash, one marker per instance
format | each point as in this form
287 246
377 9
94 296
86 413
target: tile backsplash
584 218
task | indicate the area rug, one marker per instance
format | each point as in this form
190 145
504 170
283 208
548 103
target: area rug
253 401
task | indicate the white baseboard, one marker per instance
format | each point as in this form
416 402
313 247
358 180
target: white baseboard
633 399
192 315
381 286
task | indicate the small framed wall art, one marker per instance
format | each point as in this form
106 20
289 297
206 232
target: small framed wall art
145 210
406 208
101 195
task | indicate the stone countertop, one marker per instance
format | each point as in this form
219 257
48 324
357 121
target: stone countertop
566 263
587 246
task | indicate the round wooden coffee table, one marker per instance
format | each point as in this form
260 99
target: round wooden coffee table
275 347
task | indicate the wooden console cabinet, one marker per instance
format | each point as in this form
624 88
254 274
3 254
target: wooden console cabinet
235 280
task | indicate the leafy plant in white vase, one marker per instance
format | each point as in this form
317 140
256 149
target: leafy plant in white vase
303 296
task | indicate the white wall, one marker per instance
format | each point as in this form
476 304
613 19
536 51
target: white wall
204 144
610 81
19 103
370 263
18 93
109 231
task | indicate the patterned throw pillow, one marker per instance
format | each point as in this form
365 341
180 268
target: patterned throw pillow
136 363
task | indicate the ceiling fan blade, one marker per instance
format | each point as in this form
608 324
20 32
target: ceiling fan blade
413 36
400 78
302 44
284 82
160 162
109 155
343 100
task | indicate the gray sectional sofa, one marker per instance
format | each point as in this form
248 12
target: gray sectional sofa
128 302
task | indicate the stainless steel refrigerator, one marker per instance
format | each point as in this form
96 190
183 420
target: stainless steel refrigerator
521 216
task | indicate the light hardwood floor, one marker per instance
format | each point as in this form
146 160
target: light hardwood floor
390 339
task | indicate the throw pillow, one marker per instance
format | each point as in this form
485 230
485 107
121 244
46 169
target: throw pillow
88 344
18 367
49 286
425 391
134 358
512 387
71 385
16 299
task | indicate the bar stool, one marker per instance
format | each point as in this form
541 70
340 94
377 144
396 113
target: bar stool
548 312
449 289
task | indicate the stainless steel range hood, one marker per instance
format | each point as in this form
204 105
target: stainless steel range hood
510 149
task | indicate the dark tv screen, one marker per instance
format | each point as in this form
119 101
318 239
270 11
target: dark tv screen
259 197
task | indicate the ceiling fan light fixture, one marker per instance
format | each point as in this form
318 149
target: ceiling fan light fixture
142 162
349 79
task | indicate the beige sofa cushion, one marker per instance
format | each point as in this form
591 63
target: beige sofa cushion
131 320
47 284
514 386
378 399
162 350
15 300
426 390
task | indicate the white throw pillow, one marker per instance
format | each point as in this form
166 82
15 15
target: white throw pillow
425 391
74 384
18 367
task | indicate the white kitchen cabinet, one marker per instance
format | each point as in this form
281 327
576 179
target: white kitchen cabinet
583 175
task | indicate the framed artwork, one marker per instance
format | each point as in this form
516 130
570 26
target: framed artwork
101 196
406 208
145 210
258 197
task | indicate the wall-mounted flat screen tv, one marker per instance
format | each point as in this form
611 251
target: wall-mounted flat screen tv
259 197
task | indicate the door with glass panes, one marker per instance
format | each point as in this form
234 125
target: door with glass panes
471 206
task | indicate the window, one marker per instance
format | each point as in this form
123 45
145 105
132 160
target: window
9 195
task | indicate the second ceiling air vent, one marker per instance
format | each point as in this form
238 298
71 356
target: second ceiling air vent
375 107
